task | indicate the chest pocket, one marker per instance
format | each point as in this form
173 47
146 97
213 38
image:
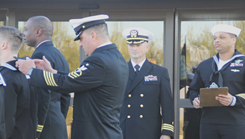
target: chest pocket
151 83
150 87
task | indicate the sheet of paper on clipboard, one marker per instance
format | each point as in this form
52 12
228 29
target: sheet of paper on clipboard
207 96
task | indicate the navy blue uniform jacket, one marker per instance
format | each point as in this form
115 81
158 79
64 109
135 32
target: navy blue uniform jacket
50 115
140 113
2 120
233 78
20 103
99 85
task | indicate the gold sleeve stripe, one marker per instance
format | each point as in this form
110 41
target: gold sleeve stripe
49 78
39 128
70 75
241 95
52 79
45 78
74 74
81 73
168 127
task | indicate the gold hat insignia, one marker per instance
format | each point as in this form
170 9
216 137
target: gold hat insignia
134 33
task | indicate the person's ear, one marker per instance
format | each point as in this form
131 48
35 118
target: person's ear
93 35
4 45
39 32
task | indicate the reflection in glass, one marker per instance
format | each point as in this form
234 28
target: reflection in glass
189 125
197 38
1 23
63 39
155 53
181 123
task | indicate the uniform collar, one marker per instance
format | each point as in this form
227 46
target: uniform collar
42 43
216 78
105 47
236 54
10 65
104 44
140 64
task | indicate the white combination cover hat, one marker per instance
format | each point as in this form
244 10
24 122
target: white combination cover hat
136 35
81 24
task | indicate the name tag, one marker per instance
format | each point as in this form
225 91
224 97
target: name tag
235 70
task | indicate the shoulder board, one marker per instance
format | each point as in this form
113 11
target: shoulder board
2 82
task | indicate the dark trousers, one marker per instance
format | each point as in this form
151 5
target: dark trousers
222 131
192 123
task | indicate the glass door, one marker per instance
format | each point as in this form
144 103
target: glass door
195 44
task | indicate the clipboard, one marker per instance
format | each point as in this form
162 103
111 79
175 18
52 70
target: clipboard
207 96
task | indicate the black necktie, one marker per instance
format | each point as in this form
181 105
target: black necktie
137 67
216 76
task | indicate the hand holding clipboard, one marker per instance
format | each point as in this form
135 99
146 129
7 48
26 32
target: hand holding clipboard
207 96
